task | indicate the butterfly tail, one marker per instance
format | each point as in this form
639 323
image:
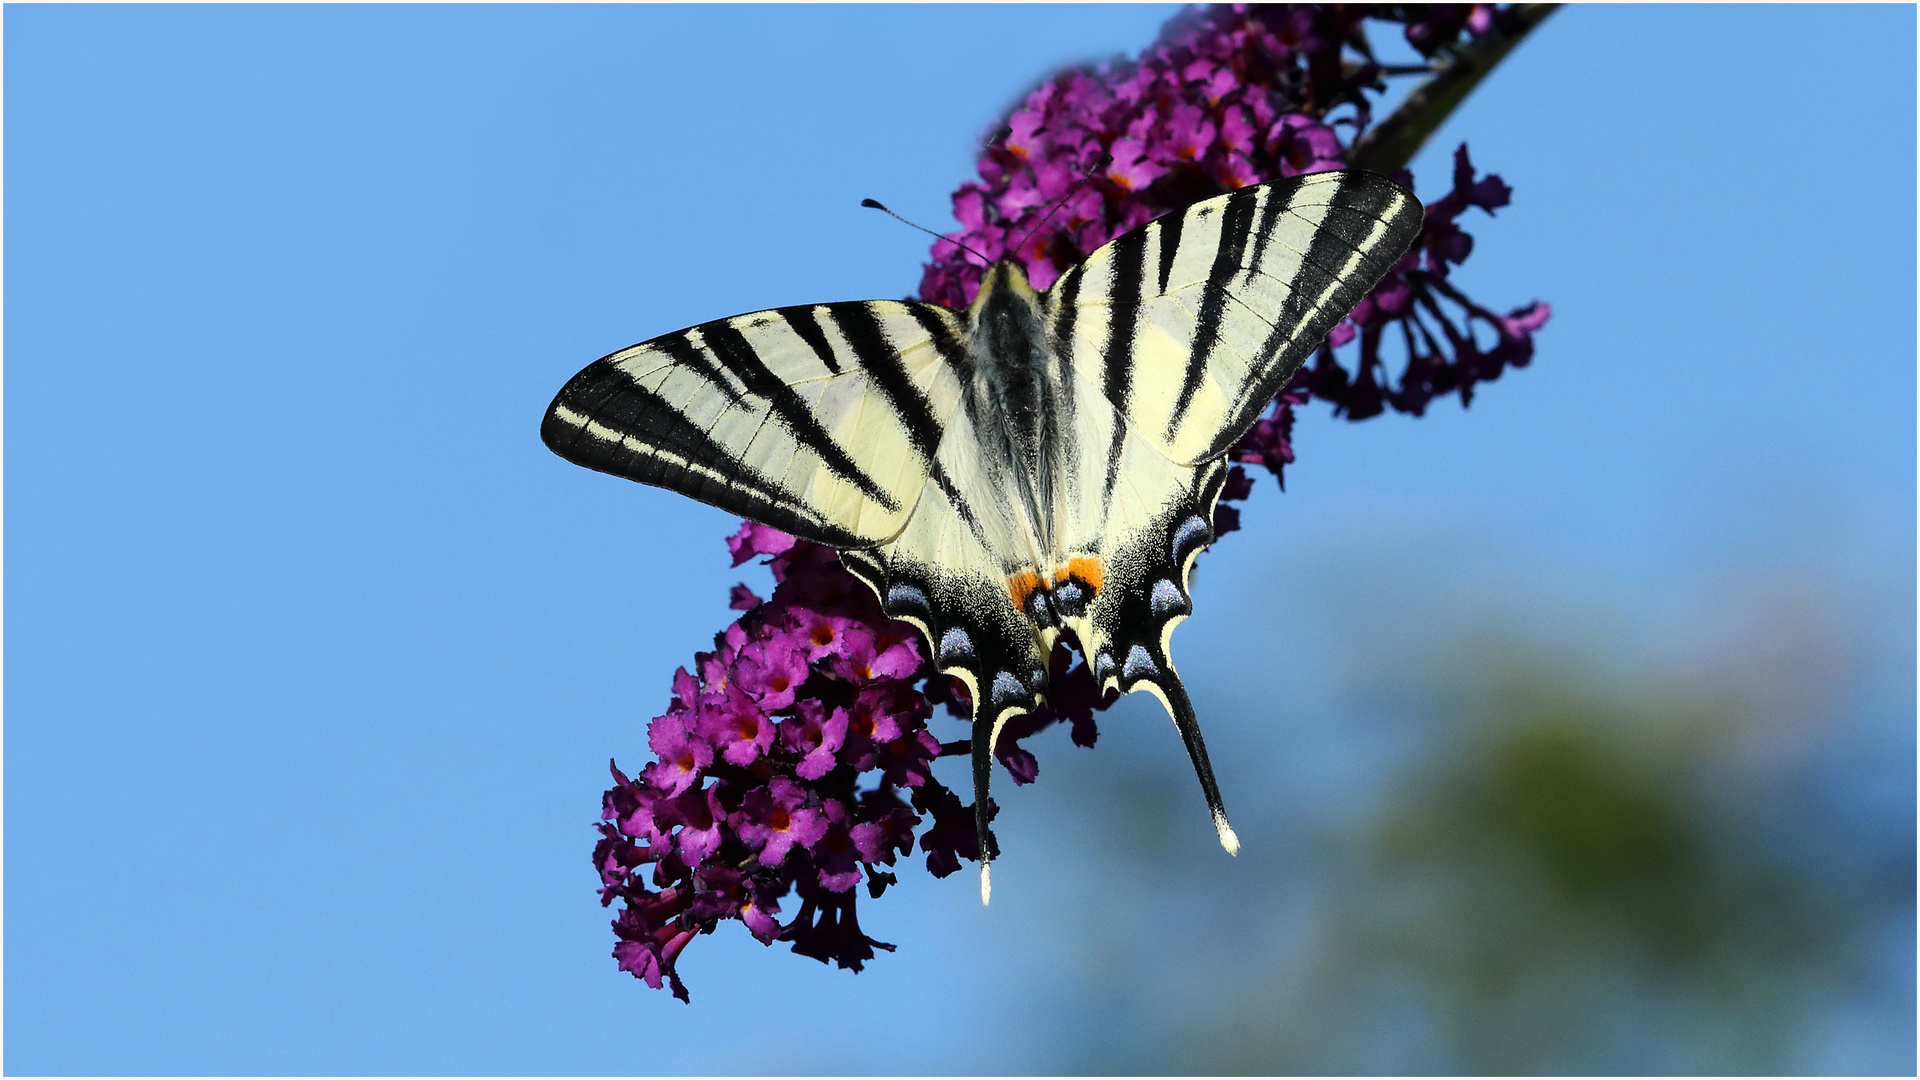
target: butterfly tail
982 776
1174 696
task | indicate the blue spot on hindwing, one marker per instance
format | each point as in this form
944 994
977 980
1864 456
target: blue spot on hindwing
955 646
1189 530
1006 688
1167 598
1139 664
1039 609
904 595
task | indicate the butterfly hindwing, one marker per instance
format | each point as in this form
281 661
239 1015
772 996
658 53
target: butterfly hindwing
959 572
821 420
1137 521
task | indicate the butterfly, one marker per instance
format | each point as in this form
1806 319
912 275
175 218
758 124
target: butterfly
1042 463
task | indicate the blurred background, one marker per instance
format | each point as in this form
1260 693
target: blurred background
1569 733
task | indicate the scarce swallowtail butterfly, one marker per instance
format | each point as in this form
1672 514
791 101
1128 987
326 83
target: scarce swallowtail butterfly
1042 462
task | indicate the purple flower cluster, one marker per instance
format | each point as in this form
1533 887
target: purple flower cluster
1226 99
795 760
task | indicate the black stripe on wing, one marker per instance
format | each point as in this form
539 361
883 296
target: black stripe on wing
683 352
937 473
939 328
1236 223
603 420
1277 201
1063 301
1168 229
1123 290
807 326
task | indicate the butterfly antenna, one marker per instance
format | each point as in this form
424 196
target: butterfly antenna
876 204
1085 176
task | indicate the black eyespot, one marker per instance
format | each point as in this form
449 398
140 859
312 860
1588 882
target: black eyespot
1070 599
1039 609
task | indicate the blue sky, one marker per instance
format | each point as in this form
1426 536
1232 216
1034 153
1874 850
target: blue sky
316 656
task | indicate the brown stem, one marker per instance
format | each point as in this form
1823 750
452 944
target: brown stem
1393 142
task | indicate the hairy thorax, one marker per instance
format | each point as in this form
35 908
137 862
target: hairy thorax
1013 404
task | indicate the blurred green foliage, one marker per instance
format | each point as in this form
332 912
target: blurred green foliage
1576 845
1579 871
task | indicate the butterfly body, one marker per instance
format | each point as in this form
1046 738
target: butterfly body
1044 463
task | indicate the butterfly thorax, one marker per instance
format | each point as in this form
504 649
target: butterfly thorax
1014 404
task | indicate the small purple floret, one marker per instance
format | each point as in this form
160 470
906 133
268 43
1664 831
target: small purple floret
754 540
776 817
817 735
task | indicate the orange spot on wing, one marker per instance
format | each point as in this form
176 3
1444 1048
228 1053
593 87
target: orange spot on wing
1088 569
1020 586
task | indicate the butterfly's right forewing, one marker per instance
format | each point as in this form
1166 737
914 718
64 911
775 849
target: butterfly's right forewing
822 420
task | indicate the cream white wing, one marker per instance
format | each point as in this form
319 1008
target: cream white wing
1192 323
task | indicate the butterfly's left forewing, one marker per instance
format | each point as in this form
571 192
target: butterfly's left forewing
1198 319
